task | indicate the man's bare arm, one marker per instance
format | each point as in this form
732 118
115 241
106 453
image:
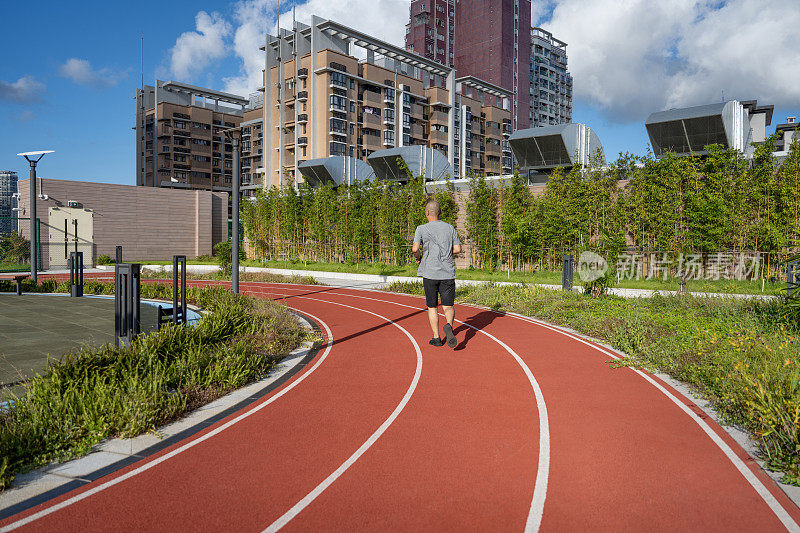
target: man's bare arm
415 251
456 249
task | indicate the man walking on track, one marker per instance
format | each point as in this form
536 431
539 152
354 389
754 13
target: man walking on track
437 268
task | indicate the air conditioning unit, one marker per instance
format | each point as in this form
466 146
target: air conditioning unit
72 203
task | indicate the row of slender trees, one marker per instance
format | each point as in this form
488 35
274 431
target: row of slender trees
715 203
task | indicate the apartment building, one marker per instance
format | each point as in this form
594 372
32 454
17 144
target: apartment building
551 82
8 201
179 136
493 43
430 31
332 91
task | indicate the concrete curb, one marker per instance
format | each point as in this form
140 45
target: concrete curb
322 275
34 485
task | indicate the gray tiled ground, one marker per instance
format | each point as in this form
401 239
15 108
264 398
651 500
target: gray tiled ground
33 327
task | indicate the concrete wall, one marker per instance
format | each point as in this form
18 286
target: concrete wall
149 223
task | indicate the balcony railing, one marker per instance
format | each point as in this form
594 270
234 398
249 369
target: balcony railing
302 95
302 141
302 72
302 117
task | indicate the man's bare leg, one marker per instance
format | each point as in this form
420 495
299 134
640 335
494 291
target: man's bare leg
433 318
449 313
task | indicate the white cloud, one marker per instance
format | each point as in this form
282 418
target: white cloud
26 115
386 19
253 18
80 71
195 50
25 89
634 57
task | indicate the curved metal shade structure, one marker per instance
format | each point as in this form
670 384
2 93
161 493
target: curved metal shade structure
689 130
420 160
564 145
335 171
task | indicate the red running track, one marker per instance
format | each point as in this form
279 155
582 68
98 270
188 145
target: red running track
523 426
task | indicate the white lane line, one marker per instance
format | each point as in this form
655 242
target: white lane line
776 507
536 511
319 489
99 488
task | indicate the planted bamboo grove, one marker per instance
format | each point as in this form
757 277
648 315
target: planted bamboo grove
717 203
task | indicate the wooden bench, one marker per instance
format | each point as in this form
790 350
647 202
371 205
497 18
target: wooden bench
16 277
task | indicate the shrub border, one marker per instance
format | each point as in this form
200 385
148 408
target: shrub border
33 501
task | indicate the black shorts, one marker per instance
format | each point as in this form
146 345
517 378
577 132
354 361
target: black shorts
436 287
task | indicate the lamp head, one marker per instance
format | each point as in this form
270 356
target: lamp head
31 156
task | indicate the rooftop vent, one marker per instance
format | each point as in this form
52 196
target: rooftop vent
791 120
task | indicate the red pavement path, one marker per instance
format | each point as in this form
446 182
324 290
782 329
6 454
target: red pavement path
463 453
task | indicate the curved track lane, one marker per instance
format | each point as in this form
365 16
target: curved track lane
523 426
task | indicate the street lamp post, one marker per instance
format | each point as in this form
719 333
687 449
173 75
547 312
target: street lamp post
235 139
32 160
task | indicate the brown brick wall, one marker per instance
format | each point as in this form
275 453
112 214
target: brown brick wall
149 223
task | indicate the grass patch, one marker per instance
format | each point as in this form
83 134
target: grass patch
743 355
93 394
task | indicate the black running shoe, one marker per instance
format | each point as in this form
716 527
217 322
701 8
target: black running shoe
436 341
451 337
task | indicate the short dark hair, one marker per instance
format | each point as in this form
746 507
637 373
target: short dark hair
433 208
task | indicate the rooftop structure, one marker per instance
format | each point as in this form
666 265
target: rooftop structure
688 131
335 171
560 146
789 132
416 160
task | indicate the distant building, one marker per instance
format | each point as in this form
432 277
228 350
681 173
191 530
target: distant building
687 131
335 92
430 31
551 82
179 139
8 201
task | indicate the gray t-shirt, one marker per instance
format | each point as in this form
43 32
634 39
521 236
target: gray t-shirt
437 239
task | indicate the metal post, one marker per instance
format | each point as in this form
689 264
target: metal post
566 273
179 303
126 303
34 236
119 255
76 274
235 229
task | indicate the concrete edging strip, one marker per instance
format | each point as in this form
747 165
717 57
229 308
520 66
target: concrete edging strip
380 278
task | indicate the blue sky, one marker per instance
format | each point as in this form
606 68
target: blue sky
67 83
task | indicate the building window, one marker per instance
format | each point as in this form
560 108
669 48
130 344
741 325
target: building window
338 103
338 148
338 79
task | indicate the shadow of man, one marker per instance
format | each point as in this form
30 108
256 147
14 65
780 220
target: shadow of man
477 321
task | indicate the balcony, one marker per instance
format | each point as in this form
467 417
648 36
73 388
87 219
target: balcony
302 96
370 120
371 98
302 118
302 141
302 72
439 117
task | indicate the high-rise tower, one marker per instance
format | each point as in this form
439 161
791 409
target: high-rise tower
493 43
430 31
551 82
